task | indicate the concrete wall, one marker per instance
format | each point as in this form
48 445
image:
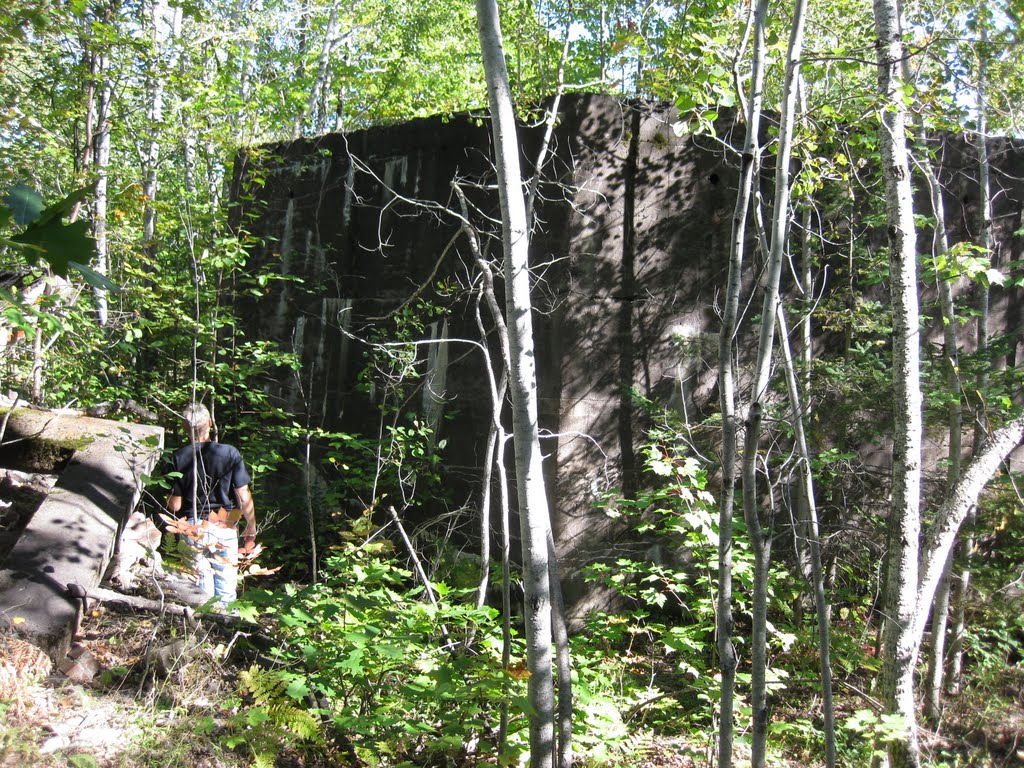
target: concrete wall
630 254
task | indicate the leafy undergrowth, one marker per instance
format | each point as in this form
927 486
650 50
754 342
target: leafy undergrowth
983 726
199 713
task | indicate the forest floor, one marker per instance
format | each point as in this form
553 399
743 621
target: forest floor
143 709
127 714
990 724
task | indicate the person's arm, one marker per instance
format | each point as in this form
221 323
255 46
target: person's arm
248 507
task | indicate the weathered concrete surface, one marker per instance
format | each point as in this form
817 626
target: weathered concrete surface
72 535
630 257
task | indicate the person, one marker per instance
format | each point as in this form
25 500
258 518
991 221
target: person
212 491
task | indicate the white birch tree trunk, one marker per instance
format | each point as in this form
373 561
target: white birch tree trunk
563 660
320 84
154 118
914 571
533 506
84 158
954 510
985 240
900 599
101 153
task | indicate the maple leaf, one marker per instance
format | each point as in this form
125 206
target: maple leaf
58 244
45 236
25 204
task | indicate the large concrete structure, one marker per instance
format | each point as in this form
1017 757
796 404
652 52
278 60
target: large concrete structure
632 237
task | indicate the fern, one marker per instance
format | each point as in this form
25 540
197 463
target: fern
274 720
264 685
298 721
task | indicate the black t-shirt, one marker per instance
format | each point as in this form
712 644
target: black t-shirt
221 470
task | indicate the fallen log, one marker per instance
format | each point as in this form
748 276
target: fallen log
123 603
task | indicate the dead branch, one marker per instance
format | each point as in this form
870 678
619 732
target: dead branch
122 603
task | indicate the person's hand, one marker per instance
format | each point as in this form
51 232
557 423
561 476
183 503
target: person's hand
249 542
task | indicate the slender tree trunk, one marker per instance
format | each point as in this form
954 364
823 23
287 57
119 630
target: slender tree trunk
549 130
914 571
102 166
760 534
942 535
245 62
154 118
188 139
954 509
900 599
320 83
936 649
486 481
188 157
498 388
985 241
809 528
958 617
102 155
533 506
38 362
298 74
807 324
956 646
805 281
497 437
495 454
83 161
954 422
727 388
506 574
563 661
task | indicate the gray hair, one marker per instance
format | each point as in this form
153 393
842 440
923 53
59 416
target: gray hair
197 419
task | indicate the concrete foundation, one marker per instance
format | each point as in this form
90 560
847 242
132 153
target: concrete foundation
72 535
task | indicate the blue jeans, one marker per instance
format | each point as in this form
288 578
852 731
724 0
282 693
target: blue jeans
214 559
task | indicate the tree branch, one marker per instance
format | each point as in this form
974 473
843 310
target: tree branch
958 502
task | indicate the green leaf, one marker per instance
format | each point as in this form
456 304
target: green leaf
57 243
685 102
62 207
26 204
256 716
94 278
297 689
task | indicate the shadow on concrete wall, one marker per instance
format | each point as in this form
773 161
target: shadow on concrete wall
630 257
